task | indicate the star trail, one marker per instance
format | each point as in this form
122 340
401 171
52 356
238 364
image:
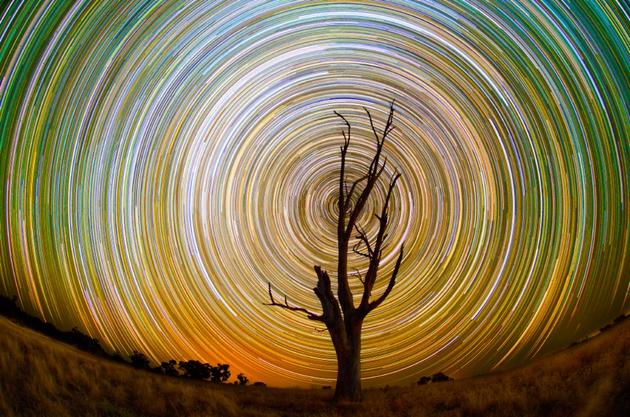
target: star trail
162 161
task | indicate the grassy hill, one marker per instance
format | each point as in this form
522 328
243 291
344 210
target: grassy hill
40 376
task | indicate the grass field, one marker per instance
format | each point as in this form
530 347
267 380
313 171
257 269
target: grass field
43 377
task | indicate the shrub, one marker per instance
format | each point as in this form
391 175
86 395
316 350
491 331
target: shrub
168 368
139 360
220 373
424 380
242 379
83 341
195 369
440 377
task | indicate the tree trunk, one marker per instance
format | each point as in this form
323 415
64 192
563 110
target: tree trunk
348 388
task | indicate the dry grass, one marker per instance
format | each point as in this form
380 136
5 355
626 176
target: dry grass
40 376
43 377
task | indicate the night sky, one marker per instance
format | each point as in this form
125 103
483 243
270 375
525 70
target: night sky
161 162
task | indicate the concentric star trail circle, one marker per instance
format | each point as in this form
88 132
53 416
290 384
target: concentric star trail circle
163 161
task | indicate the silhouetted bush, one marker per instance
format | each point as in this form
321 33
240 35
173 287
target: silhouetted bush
192 369
424 380
195 369
242 379
606 327
139 360
169 368
117 357
83 341
617 320
440 377
220 373
260 384
10 309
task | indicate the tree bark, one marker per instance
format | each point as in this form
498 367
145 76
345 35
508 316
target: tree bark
348 388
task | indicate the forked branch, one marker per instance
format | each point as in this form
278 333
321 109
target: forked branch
390 285
375 170
287 306
362 240
375 254
342 177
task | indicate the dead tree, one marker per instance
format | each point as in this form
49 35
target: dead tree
342 317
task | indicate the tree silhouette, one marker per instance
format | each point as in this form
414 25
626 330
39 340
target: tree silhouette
242 379
195 369
342 318
220 373
169 368
139 360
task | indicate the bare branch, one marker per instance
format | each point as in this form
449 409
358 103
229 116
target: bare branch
392 184
286 306
380 171
390 285
372 124
363 238
377 249
342 177
390 120
352 188
346 140
374 170
356 250
343 288
358 274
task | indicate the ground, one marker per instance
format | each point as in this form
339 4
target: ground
41 376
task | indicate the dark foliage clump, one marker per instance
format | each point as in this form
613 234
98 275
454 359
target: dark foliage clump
424 380
192 369
260 384
83 341
617 320
242 379
220 373
169 368
74 337
440 377
139 360
195 369
117 357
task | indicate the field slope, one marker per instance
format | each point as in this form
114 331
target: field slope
40 376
